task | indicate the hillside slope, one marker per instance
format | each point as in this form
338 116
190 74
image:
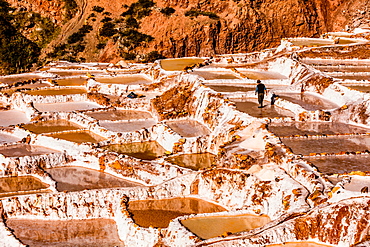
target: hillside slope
108 31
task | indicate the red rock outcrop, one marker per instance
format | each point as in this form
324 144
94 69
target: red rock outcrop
230 26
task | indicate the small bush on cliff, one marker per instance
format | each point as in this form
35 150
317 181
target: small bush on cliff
140 9
108 29
70 7
132 38
100 45
106 19
167 11
196 13
17 53
80 34
131 22
40 30
98 9
152 56
92 15
128 55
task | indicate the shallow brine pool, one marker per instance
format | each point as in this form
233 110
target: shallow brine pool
159 213
79 137
250 107
119 115
188 128
80 178
215 226
20 150
126 80
51 126
193 161
308 101
332 144
176 64
314 128
141 150
91 232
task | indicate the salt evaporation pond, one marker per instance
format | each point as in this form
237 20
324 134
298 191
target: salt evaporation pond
129 126
67 73
343 69
193 161
80 178
79 81
314 128
66 107
250 106
61 233
332 144
262 75
51 126
159 213
308 101
6 138
215 226
188 128
311 42
12 90
230 89
119 115
142 150
340 164
353 77
356 183
20 150
12 117
11 186
126 80
79 136
216 75
56 91
298 244
361 88
246 88
19 78
178 64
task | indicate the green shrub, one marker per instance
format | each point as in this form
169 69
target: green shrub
78 48
140 9
196 13
131 38
98 9
106 19
167 11
152 56
91 15
100 46
17 53
70 7
108 29
42 28
131 22
128 55
80 34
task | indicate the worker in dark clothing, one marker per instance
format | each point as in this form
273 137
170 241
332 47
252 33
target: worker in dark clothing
261 91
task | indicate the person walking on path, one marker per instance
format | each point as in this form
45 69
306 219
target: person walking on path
261 91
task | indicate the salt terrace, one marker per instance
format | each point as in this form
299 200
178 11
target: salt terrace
176 153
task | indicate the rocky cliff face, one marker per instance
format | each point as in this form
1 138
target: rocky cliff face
178 28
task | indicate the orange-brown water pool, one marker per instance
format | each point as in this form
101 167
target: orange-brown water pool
159 213
141 150
51 126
